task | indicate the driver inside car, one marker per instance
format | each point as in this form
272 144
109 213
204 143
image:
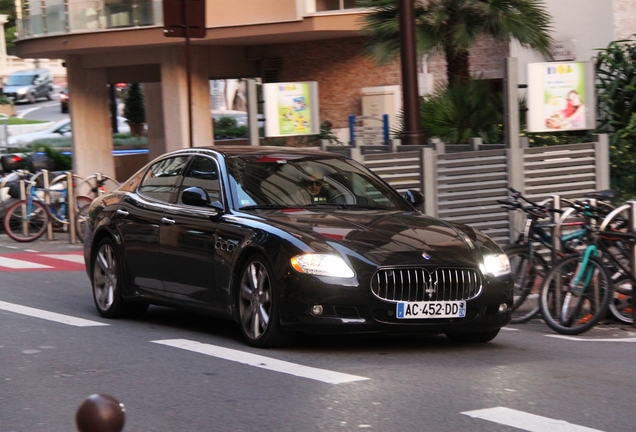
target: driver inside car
313 191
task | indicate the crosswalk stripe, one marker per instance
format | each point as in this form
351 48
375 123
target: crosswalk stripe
20 264
526 421
74 258
327 376
581 339
50 316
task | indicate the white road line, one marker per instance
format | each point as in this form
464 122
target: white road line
263 362
526 421
580 339
21 114
79 259
510 329
51 316
20 264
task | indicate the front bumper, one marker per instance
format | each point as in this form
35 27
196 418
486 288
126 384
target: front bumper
355 309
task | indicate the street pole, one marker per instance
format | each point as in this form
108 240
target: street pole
413 133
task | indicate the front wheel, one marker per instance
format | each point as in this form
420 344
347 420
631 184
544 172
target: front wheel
528 274
622 302
575 296
107 283
26 221
258 305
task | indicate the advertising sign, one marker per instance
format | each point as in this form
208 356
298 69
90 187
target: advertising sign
291 109
561 96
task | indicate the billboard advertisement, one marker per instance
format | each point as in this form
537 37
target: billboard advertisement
561 96
291 109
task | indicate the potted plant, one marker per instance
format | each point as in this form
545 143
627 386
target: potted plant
135 110
6 106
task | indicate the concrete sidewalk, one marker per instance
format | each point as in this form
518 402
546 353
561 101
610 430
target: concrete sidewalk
59 244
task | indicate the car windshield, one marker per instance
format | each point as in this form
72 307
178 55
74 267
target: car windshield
20 80
290 181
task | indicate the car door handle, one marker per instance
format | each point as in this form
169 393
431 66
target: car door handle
121 212
167 221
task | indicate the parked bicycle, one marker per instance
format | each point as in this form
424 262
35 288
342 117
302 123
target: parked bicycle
86 191
528 265
579 289
27 219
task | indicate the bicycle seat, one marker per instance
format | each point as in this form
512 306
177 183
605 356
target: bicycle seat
604 195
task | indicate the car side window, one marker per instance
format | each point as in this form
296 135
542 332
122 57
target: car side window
204 173
161 178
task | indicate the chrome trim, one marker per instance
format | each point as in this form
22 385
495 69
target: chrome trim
418 284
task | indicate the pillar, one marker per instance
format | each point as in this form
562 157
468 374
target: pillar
90 117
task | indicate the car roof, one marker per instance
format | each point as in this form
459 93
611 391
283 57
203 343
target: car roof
31 72
238 150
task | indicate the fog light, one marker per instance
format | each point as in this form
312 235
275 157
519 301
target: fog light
503 308
316 309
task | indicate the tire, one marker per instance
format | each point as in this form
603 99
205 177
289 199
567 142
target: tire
481 337
257 305
31 98
31 229
571 311
621 304
49 94
107 283
529 276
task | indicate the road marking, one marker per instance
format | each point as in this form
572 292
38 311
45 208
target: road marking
526 421
20 264
50 316
69 261
263 362
510 329
74 258
21 114
580 339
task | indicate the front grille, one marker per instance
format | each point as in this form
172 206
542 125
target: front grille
418 284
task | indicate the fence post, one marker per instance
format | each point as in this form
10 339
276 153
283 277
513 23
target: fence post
476 143
601 149
70 202
428 162
556 241
47 201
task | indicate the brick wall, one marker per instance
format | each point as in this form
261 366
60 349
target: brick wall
341 70
624 18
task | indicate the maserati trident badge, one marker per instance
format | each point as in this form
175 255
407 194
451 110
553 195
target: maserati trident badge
426 256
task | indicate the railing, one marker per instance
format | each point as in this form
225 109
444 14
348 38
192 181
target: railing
60 16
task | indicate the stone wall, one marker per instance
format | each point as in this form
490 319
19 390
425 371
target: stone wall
624 18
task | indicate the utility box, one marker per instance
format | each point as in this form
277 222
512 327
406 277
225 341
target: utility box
377 101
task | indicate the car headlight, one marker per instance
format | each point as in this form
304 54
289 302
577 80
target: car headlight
321 265
22 91
496 265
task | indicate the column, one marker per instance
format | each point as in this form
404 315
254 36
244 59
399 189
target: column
90 117
155 120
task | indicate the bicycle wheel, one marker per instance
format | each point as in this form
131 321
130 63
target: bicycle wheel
92 188
528 275
81 218
622 304
570 306
25 222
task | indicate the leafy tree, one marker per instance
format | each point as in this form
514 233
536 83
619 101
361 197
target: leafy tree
616 86
453 26
134 107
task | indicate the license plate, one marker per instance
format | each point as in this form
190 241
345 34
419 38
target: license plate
433 309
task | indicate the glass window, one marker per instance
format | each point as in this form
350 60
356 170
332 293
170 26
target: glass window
330 5
161 178
204 173
290 180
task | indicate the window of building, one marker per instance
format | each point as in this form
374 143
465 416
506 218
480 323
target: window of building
331 5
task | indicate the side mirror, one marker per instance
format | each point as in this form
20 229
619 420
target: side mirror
196 196
415 198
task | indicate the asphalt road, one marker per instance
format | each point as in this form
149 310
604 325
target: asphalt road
42 110
178 371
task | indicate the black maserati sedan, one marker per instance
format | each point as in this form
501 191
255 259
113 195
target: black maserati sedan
287 241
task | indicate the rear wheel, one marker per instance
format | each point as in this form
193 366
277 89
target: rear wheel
107 283
528 275
258 305
573 300
25 222
622 303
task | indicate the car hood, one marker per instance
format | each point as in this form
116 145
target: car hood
386 238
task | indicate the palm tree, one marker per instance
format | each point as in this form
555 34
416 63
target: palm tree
453 26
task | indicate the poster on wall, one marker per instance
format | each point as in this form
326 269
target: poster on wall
561 96
291 109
